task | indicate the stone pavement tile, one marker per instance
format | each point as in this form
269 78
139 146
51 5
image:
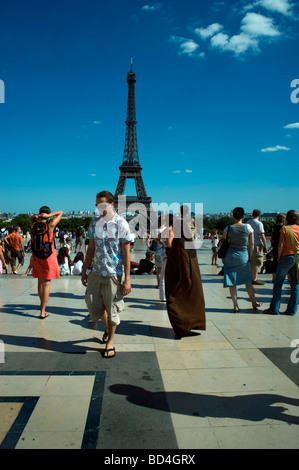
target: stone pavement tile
50 440
139 438
239 379
278 436
198 359
59 413
134 347
207 344
14 385
254 357
174 381
8 413
69 386
196 438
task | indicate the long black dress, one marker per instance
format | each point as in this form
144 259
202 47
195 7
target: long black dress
183 287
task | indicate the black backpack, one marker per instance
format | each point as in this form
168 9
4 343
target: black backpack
40 240
154 245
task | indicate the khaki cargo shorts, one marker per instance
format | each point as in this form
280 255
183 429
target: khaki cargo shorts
104 293
257 256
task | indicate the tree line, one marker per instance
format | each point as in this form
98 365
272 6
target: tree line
222 222
71 224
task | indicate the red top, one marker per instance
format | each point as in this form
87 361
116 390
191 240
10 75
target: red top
15 240
46 268
287 245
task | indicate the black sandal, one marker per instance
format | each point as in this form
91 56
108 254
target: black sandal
107 351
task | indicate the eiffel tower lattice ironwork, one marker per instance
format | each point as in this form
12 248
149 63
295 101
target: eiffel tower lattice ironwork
131 168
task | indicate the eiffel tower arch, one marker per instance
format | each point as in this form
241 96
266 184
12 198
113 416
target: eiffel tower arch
130 167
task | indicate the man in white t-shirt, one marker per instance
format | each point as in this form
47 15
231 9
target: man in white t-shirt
260 245
109 253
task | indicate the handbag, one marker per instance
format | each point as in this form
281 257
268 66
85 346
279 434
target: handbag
153 246
223 247
295 252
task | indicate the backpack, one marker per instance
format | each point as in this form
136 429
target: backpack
154 245
79 232
40 240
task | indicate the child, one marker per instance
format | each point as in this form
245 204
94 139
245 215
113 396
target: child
215 242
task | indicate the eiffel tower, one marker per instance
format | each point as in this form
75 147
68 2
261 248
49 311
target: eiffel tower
131 168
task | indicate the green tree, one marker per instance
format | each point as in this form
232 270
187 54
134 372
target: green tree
23 221
73 223
224 222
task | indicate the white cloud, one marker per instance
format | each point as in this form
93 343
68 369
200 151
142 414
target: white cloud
180 171
275 149
295 125
93 174
238 44
151 7
186 46
97 122
284 7
212 29
279 6
255 25
256 29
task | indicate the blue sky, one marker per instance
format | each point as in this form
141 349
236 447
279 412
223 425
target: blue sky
215 120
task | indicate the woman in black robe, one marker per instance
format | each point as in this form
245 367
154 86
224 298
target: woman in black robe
183 286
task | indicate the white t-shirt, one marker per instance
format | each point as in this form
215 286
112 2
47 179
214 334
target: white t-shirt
258 229
77 268
215 241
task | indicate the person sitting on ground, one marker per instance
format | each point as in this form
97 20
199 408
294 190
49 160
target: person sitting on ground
268 264
78 264
146 265
64 262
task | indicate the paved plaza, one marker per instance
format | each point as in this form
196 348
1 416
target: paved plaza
233 386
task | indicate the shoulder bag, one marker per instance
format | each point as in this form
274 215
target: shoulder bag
223 247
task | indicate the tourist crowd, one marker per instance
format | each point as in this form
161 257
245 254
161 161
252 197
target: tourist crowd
105 267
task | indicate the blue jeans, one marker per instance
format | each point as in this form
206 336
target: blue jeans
286 265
